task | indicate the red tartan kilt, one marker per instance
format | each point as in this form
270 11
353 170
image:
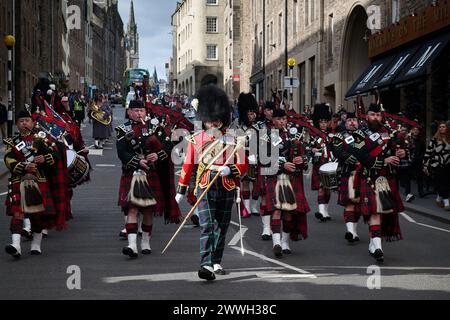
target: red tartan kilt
315 181
368 204
268 191
15 207
297 185
153 182
343 198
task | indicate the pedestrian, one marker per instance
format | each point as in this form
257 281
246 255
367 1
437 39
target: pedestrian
3 119
215 208
417 152
436 162
101 120
403 168
79 110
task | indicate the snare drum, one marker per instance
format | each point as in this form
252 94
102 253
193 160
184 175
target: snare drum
78 168
328 175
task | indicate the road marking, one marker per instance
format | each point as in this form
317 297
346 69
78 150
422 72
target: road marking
107 148
93 152
106 165
404 215
178 173
285 265
3 194
406 268
237 237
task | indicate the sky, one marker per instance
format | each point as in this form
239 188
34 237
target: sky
153 23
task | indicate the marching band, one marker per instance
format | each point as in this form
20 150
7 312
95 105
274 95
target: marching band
261 157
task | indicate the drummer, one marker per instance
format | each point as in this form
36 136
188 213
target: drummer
322 155
343 144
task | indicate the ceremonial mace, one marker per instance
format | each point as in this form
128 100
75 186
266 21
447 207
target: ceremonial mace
238 202
203 195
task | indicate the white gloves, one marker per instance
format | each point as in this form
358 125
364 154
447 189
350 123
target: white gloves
179 197
224 171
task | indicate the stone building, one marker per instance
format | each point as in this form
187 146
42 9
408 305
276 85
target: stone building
330 41
6 28
198 31
77 45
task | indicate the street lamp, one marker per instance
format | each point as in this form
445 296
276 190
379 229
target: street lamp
10 41
291 64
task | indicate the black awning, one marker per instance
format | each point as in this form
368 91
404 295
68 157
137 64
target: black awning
367 79
396 67
417 66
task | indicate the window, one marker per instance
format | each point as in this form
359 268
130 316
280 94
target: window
294 17
211 2
280 26
395 11
330 35
211 52
312 64
302 87
211 24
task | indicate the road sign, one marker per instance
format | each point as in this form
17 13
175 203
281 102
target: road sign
291 83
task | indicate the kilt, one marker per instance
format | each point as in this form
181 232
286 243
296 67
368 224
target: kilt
269 192
297 185
14 206
368 203
315 181
343 198
153 182
300 230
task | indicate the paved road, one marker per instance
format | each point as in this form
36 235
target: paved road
322 267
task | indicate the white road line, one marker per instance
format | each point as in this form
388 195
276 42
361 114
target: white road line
106 165
237 237
285 265
93 152
404 215
3 194
406 268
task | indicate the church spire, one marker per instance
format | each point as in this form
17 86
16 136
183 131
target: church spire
132 21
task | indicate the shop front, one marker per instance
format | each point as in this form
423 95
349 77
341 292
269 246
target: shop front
410 67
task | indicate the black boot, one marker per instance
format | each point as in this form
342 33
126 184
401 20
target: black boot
205 274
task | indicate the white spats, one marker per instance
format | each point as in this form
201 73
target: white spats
254 207
27 225
350 227
145 243
132 237
285 241
355 229
14 248
323 209
36 243
376 243
247 205
276 238
266 225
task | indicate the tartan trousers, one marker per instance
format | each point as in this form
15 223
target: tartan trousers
214 212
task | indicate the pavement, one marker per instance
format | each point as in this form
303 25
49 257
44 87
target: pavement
85 262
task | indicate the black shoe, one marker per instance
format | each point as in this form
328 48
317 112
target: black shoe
220 272
349 237
11 250
356 239
320 217
146 251
195 220
287 251
378 255
205 274
123 235
327 218
28 235
266 237
35 253
278 251
256 214
129 252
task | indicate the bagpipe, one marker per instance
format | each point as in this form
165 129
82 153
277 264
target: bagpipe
174 119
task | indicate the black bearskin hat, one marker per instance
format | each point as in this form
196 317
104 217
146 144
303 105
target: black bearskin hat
321 112
23 113
279 113
269 105
374 107
136 104
246 103
213 105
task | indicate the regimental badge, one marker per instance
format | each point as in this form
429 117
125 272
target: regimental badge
375 136
349 140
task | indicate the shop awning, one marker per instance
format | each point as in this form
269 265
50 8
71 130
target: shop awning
396 67
417 66
366 81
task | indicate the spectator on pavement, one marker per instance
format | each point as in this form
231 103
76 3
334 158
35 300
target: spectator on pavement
437 163
3 119
417 151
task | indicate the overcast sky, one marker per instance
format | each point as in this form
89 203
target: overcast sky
153 22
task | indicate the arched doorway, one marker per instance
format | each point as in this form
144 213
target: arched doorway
209 79
354 57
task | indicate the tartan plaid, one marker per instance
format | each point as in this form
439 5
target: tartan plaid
155 186
268 184
343 198
58 181
297 185
299 229
315 181
166 174
214 212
